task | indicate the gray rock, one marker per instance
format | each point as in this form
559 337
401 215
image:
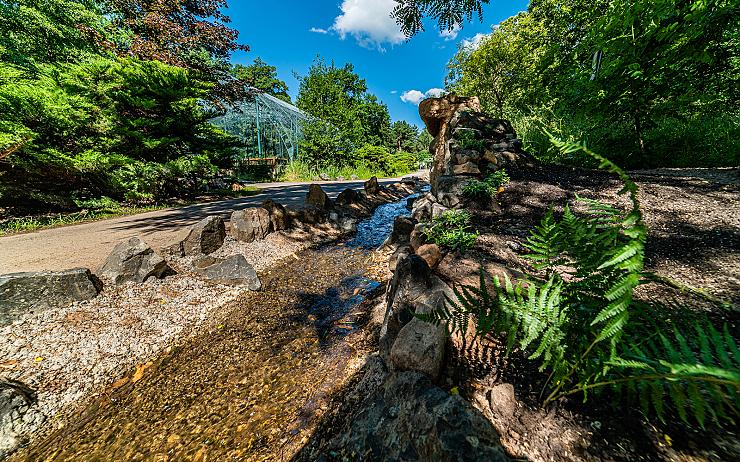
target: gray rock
206 237
423 208
418 236
413 289
354 177
348 197
419 347
22 292
411 419
133 261
372 186
307 215
250 224
438 209
279 219
235 271
468 168
324 177
19 416
318 198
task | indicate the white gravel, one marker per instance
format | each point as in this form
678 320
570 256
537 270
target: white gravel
69 354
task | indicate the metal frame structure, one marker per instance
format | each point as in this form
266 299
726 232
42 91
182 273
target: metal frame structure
270 128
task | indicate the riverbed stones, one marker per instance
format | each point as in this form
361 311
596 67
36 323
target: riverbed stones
279 219
206 237
24 292
372 186
408 418
234 270
318 198
250 224
133 261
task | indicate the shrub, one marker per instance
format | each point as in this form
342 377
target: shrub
451 230
485 190
582 325
466 139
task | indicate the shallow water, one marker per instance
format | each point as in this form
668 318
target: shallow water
255 382
373 231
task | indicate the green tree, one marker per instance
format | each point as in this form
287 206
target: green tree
338 96
262 76
405 137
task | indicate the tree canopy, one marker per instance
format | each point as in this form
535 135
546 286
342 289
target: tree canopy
262 76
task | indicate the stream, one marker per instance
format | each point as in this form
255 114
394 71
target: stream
255 381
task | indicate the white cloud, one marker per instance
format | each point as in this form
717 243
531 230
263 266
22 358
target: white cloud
472 43
416 97
450 34
369 22
318 30
394 92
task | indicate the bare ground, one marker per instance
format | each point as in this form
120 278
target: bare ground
694 240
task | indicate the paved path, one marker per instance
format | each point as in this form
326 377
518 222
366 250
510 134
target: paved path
87 245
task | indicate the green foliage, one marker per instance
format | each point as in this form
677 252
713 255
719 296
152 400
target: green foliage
636 79
338 96
262 76
485 190
451 230
409 14
582 324
466 139
300 171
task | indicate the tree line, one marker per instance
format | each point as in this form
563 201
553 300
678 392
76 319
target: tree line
648 83
112 98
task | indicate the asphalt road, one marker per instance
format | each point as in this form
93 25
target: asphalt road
88 244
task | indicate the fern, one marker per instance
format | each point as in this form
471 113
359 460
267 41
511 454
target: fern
582 324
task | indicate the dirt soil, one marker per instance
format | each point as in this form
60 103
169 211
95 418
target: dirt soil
694 238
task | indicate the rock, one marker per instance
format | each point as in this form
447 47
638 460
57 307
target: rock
250 224
354 177
372 186
431 254
402 228
307 215
419 347
401 252
235 271
317 197
469 169
438 210
437 112
324 177
348 197
341 178
423 208
408 418
450 200
410 181
413 289
206 237
24 292
418 236
410 203
279 219
133 261
19 416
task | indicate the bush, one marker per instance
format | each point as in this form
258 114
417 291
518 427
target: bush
451 230
466 139
485 190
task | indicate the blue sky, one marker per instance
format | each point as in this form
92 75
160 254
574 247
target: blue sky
289 34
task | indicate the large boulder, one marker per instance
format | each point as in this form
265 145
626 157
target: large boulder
420 347
372 186
318 198
279 219
234 271
22 292
348 197
250 224
19 416
401 234
413 289
206 237
431 253
133 261
408 418
437 112
307 215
